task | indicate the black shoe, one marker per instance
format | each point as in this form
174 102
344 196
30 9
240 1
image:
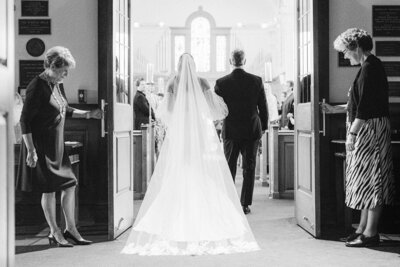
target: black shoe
350 237
81 242
364 241
246 209
53 240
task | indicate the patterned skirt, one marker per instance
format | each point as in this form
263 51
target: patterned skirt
369 172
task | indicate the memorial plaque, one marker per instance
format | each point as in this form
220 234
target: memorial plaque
344 62
394 88
387 48
35 47
29 69
386 21
392 68
34 26
34 8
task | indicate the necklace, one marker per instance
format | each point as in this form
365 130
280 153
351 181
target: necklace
62 106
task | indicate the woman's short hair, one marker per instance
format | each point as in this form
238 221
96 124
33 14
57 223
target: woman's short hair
58 57
353 38
237 57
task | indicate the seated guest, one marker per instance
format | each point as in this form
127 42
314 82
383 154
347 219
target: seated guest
287 107
141 106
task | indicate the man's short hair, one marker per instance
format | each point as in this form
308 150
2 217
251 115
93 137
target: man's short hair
237 57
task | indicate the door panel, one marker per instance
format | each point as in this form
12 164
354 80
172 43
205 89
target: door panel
306 135
115 82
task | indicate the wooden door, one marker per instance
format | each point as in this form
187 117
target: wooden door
115 91
310 27
7 77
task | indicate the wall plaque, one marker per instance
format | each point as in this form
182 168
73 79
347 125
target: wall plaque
35 47
29 69
394 88
386 21
387 48
344 62
392 68
34 8
34 26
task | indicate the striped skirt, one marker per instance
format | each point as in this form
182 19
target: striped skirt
369 172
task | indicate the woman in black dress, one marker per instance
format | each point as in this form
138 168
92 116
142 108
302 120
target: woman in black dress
369 171
45 165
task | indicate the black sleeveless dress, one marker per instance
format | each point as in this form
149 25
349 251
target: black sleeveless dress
43 117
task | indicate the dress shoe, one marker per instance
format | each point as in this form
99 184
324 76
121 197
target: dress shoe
246 209
350 237
53 240
81 241
364 241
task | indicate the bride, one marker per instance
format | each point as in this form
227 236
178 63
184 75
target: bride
191 206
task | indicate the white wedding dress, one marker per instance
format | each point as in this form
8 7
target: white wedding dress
191 206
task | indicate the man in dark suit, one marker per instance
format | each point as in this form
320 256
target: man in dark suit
246 122
287 107
141 106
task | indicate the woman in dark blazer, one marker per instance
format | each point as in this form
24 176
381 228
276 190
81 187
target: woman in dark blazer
369 172
44 163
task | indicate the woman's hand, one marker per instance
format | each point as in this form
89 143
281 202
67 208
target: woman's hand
325 107
350 141
31 158
95 114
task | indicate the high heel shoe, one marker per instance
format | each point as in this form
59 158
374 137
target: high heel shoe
53 240
81 242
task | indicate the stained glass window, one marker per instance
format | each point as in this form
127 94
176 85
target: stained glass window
200 43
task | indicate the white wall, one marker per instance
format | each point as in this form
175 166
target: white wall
73 25
226 12
344 14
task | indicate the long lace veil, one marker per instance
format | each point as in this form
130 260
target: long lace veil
191 205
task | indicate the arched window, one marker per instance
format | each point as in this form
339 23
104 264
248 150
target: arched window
200 43
208 44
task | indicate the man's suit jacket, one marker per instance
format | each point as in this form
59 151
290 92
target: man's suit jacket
142 108
244 95
287 107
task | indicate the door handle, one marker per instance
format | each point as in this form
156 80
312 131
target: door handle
103 117
323 119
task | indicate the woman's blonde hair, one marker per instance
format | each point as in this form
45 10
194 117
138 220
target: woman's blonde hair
353 38
58 57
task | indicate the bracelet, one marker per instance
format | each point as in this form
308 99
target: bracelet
353 133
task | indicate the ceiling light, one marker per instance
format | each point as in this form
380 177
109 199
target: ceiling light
161 24
239 24
264 25
136 24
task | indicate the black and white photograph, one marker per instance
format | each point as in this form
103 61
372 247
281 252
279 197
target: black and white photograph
199 133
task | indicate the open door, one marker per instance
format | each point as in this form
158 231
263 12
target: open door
115 93
310 38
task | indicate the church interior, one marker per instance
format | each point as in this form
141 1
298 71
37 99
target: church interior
124 48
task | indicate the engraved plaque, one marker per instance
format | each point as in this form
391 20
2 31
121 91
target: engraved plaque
392 68
394 88
34 26
34 8
387 48
29 69
386 21
35 47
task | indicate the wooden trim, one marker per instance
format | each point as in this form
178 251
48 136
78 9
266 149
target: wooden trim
105 56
